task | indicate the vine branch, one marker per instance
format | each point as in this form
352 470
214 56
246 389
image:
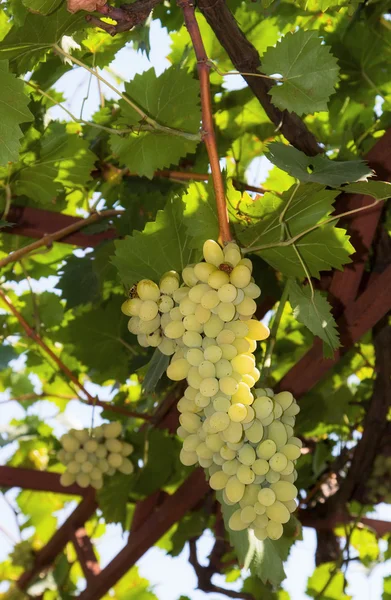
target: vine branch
209 136
38 340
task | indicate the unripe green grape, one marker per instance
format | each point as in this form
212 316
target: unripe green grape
81 456
221 404
249 418
236 523
276 432
102 465
210 299
248 514
260 521
254 433
245 474
223 368
272 476
165 304
73 467
228 351
295 441
226 311
214 442
261 534
148 310
213 253
266 496
237 412
288 420
219 480
207 369
228 385
197 292
274 530
115 460
202 401
112 430
217 279
284 491
131 307
190 421
192 339
202 314
227 293
219 421
243 363
226 336
284 398
257 330
194 379
239 328
230 467
291 477
288 469
142 340
260 466
67 479
194 357
149 327
148 290
191 442
278 512
113 445
69 443
203 271
252 290
167 346
247 307
217 459
205 463
267 420
134 325
278 462
213 326
191 323
291 451
91 446
97 484
154 339
248 380
101 451
213 354
292 411
234 489
227 453
127 449
263 407
266 449
87 467
233 432
190 393
178 369
83 480
240 276
255 374
291 505
259 508
189 277
277 410
209 387
243 394
188 458
169 283
187 307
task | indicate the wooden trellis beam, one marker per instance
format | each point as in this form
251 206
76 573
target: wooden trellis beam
40 481
85 553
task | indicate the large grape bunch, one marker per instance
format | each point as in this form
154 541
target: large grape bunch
90 455
243 438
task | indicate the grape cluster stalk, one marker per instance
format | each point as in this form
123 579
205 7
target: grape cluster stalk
241 435
89 455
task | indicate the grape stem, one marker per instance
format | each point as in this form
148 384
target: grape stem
38 340
208 135
267 362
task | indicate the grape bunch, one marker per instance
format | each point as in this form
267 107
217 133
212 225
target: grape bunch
89 456
244 437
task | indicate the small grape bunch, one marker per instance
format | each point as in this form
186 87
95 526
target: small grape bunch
89 456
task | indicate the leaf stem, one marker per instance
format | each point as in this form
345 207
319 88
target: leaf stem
209 136
154 125
267 361
243 73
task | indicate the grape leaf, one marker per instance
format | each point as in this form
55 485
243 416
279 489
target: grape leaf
7 353
172 99
43 7
317 169
200 214
113 497
65 161
386 588
380 190
80 269
308 69
315 314
327 575
14 111
326 247
25 46
162 246
157 366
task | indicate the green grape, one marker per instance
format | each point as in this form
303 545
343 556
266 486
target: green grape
288 420
245 474
83 480
97 484
296 442
178 370
87 467
243 363
260 534
221 404
69 443
103 465
260 521
243 394
214 442
73 467
247 307
154 339
276 432
218 459
126 467
266 449
202 401
208 341
248 380
268 420
228 351
277 410
291 451
226 311
239 297
213 354
257 330
236 523
210 299
149 327
112 430
190 421
242 345
192 339
237 412
260 466
223 368
203 451
191 442
165 304
227 293
131 307
213 326
96 473
230 467
285 399
209 386
255 374
252 290
219 480
263 407
248 514
239 328
240 276
114 445
233 432
148 290
67 479
284 491
291 505
169 283
101 452
148 310
198 291
232 247
187 307
249 418
81 456
207 369
217 279
278 462
254 433
291 477
204 270
227 453
111 471
250 496
247 455
62 456
289 431
188 458
226 336
189 276
278 512
202 314
142 340
190 393
174 330
234 489
115 460
288 469
213 253
228 385
219 421
274 530
292 411
205 463
91 446
191 323
134 325
266 496
194 379
235 445
259 508
194 357
272 476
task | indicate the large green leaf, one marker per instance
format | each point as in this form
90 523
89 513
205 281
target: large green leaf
315 313
113 498
380 190
172 100
326 247
162 246
65 161
200 214
309 72
327 583
43 7
317 169
14 111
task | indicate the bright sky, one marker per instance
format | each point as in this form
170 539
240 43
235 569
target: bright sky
169 577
